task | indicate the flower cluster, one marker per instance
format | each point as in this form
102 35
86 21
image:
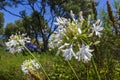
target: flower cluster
14 45
73 36
84 53
29 65
97 28
32 47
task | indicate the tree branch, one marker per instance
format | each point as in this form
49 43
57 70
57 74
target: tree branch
11 13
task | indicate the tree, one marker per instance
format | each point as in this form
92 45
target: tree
19 25
63 7
13 28
38 9
111 17
117 13
40 25
1 22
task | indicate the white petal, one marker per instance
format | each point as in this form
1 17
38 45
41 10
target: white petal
97 42
79 31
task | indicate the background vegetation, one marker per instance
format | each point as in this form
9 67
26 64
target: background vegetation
40 29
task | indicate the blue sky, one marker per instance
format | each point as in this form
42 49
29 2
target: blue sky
10 18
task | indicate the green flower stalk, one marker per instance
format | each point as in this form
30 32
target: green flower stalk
73 70
95 69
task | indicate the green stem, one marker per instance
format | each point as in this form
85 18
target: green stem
73 70
87 71
95 69
37 61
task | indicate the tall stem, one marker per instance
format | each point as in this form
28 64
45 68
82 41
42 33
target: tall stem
73 70
87 72
37 61
95 69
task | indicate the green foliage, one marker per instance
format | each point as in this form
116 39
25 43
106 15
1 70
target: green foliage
78 5
19 25
13 28
10 67
108 59
57 68
63 7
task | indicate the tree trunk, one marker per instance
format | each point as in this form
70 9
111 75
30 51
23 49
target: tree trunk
36 39
45 44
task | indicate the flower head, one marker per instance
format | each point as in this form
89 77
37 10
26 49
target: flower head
60 21
61 47
97 28
68 53
31 47
79 31
14 45
56 39
72 15
84 53
74 31
29 65
81 16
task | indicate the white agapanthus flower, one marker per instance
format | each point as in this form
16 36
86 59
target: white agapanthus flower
97 28
68 53
29 65
56 39
27 39
22 41
51 45
79 31
12 50
73 29
84 53
14 45
19 49
81 16
56 42
58 36
61 47
72 15
60 21
97 42
11 43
